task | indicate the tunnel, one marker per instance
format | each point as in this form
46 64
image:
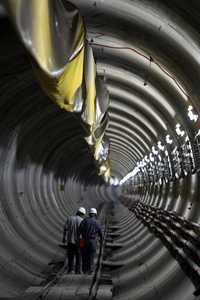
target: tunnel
147 52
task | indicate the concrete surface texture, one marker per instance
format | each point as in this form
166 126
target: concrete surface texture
147 51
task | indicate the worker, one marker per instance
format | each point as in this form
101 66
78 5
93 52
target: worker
73 244
89 230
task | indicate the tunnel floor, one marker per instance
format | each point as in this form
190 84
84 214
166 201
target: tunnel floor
123 270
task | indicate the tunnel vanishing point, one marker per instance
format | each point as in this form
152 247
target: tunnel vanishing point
148 54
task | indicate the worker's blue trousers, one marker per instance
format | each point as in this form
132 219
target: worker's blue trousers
88 253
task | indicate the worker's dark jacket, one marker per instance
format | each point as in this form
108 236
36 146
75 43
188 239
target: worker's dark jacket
72 229
89 229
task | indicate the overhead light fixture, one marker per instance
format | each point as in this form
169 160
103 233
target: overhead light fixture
154 150
191 114
178 130
130 175
151 157
168 139
160 146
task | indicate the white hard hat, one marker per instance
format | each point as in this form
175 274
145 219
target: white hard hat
82 210
93 211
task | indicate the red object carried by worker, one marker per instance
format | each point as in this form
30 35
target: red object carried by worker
82 243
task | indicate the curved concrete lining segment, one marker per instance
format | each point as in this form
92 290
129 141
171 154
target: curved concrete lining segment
148 55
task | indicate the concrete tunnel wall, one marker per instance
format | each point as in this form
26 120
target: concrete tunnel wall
42 147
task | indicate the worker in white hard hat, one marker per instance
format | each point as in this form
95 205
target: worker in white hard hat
89 230
73 245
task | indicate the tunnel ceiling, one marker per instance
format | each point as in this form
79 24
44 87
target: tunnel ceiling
147 52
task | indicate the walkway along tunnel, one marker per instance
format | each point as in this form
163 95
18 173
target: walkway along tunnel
147 56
